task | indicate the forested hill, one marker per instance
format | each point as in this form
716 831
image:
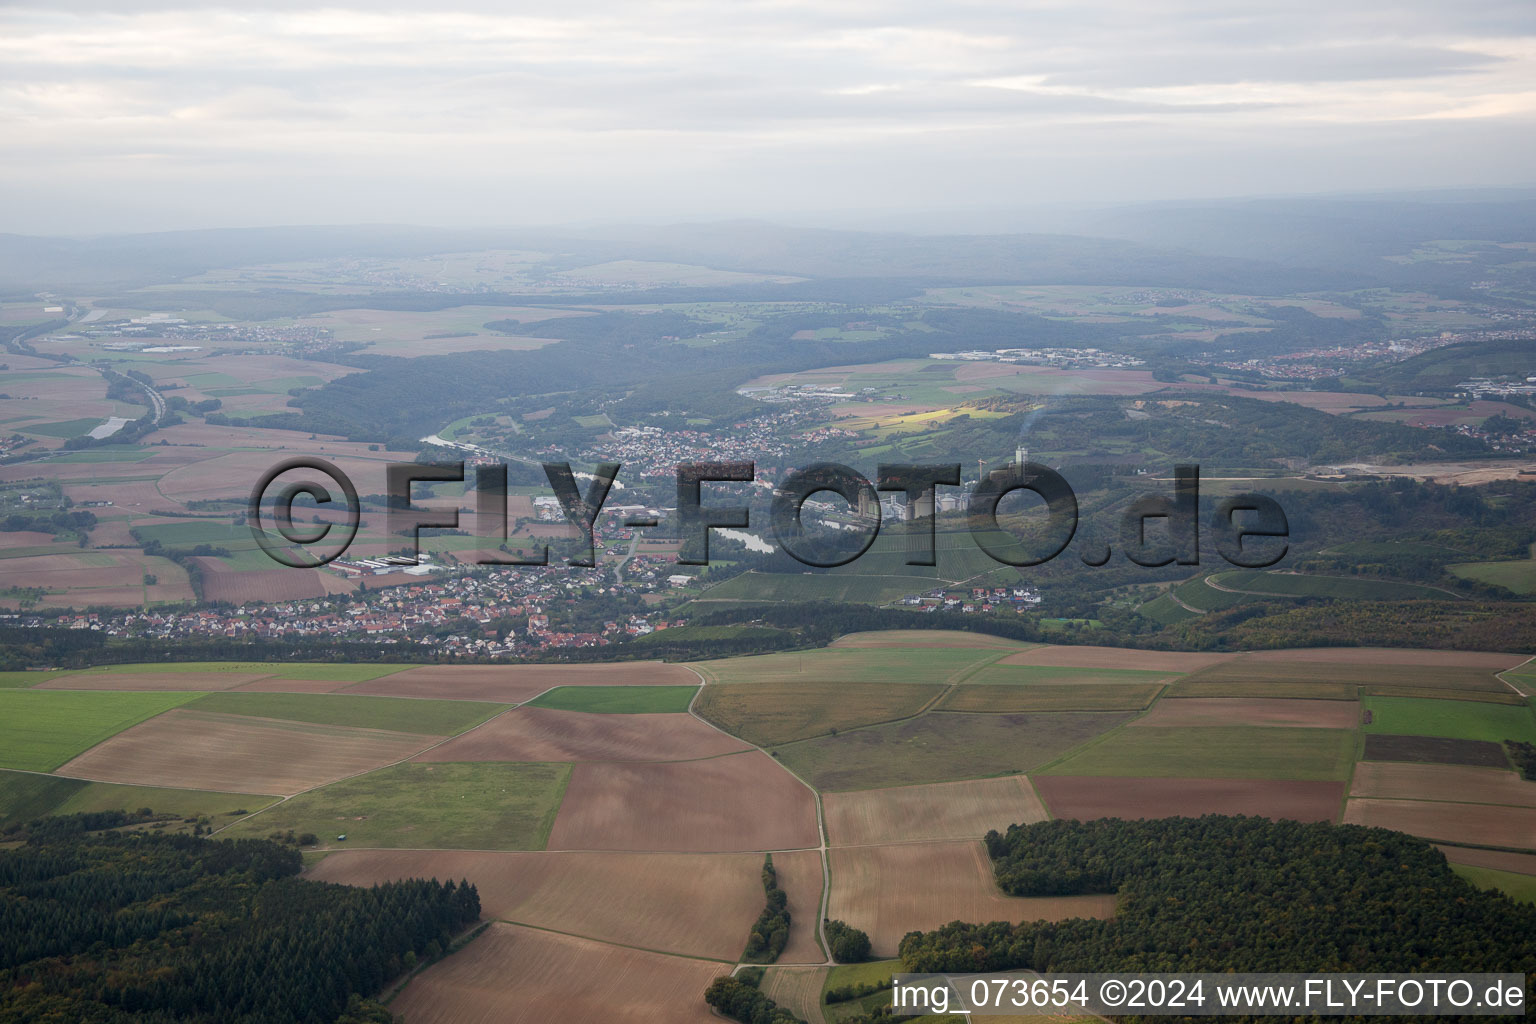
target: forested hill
1235 894
155 928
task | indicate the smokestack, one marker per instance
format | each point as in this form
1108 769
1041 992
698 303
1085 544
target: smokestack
1020 456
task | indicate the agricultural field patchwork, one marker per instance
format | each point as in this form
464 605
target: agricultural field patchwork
618 700
541 734
942 748
1435 750
686 903
946 810
1218 752
1462 720
873 890
515 975
1008 698
783 711
469 806
1088 797
41 730
426 717
1476 824
184 749
884 665
714 805
1442 782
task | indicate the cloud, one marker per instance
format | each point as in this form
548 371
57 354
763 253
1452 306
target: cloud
743 107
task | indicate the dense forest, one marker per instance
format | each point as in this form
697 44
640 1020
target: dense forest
1235 894
123 926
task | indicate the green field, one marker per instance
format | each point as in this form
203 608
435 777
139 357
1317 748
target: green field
397 714
1515 886
1349 588
1050 697
21 680
1452 719
843 975
42 729
185 803
446 805
24 796
1216 752
942 748
887 665
67 428
1518 576
1165 611
618 700
782 712
318 670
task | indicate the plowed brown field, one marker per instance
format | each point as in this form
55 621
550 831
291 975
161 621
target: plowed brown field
736 802
184 749
1199 711
1442 782
513 683
543 734
946 810
513 975
688 903
151 681
1116 657
1482 824
1520 863
891 890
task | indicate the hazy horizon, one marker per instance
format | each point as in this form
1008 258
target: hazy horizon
142 117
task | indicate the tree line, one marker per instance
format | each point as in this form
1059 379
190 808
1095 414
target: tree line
107 928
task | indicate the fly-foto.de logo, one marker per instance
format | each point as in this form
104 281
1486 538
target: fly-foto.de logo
1156 529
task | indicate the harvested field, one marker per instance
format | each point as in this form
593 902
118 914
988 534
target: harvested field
514 975
1429 673
1389 656
797 989
519 682
925 638
1001 674
943 747
947 810
1206 711
723 804
1434 750
1176 662
1088 797
1453 783
150 681
1048 697
277 684
543 734
780 712
1217 752
1520 863
688 903
231 753
223 584
801 879
890 890
1480 824
1194 687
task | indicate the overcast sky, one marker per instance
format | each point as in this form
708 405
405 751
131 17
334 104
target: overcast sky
123 116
